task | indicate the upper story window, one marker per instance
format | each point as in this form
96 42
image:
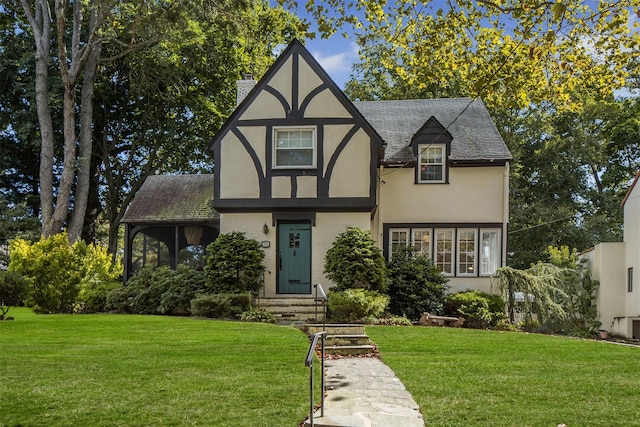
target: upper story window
431 161
294 148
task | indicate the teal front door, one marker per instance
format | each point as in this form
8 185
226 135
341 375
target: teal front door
294 258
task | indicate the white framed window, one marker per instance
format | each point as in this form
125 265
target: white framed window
399 238
422 241
444 250
489 251
294 147
466 252
431 163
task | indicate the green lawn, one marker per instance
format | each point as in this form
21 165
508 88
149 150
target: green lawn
463 377
119 370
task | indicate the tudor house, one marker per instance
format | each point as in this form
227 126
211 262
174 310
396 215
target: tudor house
297 162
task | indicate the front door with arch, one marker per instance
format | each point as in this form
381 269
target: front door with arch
294 258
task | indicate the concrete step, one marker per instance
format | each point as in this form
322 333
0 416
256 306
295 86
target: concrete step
349 350
337 421
334 329
292 309
335 340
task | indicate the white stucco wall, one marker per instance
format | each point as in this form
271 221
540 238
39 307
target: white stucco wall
607 265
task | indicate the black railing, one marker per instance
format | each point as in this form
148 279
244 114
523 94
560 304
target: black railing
321 297
311 355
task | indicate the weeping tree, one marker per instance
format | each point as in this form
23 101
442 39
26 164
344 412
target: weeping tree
560 292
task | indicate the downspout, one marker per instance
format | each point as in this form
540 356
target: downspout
378 202
505 213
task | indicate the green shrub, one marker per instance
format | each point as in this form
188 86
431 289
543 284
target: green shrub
417 286
13 289
159 290
184 286
388 321
234 264
479 309
356 304
258 315
355 261
58 272
221 305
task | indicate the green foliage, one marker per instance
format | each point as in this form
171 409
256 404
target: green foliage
159 290
258 315
234 264
417 286
99 276
355 261
13 289
60 275
479 309
387 321
353 305
560 293
185 284
224 306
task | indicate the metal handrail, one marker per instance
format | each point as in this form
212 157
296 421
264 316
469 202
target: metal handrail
309 364
323 298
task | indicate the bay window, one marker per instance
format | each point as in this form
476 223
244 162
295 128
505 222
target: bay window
459 252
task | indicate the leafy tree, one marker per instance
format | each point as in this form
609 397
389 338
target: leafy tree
559 292
355 261
417 286
234 264
175 62
509 53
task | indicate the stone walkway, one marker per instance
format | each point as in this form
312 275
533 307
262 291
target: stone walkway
364 392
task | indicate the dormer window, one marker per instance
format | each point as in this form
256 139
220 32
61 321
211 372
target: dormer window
431 163
294 148
431 146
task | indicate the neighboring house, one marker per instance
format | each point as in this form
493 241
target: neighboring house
615 264
297 163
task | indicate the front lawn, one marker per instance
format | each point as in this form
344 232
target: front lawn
129 370
464 377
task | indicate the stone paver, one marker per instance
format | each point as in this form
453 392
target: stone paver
364 392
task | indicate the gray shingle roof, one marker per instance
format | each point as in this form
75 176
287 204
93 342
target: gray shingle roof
475 136
173 198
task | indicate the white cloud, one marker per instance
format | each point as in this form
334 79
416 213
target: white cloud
336 56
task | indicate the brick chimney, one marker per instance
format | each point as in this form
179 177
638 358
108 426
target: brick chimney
244 87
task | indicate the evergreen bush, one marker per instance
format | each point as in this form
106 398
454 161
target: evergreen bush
417 286
355 261
234 264
224 306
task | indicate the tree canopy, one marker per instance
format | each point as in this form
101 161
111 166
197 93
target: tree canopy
102 93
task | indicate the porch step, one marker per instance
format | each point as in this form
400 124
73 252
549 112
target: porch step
292 310
342 339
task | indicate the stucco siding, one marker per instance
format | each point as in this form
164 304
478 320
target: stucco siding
325 104
607 265
473 194
239 169
351 175
264 106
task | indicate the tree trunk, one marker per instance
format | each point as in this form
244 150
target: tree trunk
40 21
84 160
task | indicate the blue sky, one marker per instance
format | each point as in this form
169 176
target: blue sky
336 55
